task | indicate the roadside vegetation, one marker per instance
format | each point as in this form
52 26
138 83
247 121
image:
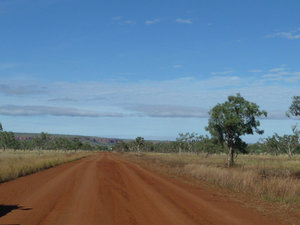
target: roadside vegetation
18 163
269 168
274 178
45 141
22 157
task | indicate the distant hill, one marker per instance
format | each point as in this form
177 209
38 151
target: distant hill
90 139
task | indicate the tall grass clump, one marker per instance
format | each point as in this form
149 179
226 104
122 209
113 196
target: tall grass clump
285 189
14 164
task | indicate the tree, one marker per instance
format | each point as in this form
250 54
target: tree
294 109
287 143
139 141
77 144
41 141
186 141
207 145
273 144
121 147
232 119
290 142
8 140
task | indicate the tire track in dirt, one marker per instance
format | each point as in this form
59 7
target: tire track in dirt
106 189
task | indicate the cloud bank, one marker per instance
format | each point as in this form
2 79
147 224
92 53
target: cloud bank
34 110
184 97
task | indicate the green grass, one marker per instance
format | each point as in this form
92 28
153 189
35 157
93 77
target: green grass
14 164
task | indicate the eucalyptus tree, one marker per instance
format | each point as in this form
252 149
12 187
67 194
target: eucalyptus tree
139 142
290 142
232 119
273 144
294 109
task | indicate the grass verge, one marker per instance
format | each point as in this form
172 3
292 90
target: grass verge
14 164
269 177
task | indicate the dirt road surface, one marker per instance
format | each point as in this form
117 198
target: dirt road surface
106 189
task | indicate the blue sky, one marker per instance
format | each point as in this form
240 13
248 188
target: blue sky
144 68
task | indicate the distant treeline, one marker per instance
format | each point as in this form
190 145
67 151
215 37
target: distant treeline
228 122
193 143
45 141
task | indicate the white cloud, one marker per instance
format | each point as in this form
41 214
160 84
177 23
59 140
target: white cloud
282 74
34 110
277 69
186 21
222 72
149 22
181 97
291 35
21 90
170 111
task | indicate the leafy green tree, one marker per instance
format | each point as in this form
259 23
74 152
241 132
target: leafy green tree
77 143
26 145
8 140
273 144
41 141
294 109
288 143
232 119
139 142
180 141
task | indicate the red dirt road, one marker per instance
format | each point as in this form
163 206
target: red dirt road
105 189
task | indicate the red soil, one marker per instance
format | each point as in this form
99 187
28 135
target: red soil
105 189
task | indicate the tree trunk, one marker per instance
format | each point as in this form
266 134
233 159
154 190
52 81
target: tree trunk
289 151
230 159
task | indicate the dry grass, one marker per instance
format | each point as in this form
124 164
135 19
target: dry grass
272 178
15 164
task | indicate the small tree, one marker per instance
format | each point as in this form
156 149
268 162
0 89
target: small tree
294 109
273 144
290 142
121 147
8 140
139 141
232 119
186 141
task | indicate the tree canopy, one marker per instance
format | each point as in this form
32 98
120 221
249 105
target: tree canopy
295 106
232 119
